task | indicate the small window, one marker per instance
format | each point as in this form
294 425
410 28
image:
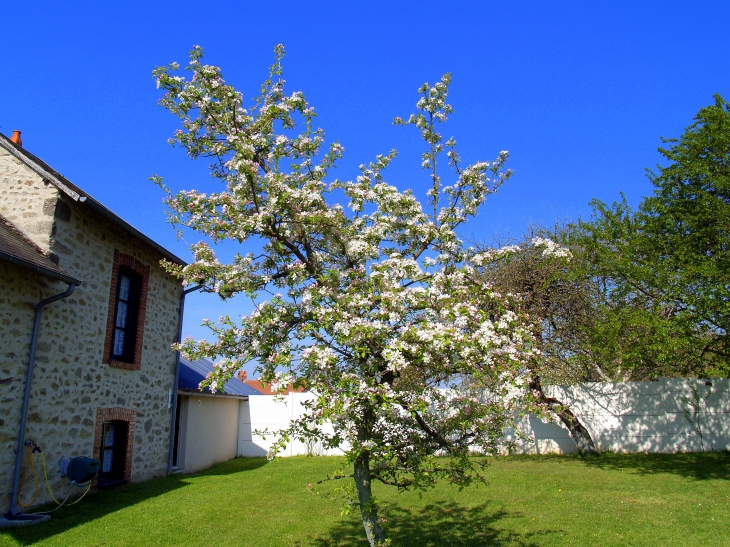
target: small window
113 453
126 315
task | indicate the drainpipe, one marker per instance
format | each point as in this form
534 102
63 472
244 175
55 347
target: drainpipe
177 375
14 511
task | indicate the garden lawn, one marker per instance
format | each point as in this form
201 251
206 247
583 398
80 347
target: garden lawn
638 499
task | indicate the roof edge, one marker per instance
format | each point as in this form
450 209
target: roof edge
47 173
31 266
56 273
185 391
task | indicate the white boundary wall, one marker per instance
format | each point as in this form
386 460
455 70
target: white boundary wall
268 412
621 417
637 417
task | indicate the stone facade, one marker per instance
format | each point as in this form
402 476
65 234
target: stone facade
74 385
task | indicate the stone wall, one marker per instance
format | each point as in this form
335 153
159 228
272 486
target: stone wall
71 382
28 202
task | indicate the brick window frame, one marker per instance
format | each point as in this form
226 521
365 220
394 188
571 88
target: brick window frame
104 415
121 261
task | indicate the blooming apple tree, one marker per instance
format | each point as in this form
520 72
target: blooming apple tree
372 306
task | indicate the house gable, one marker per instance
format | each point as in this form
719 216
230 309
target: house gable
75 393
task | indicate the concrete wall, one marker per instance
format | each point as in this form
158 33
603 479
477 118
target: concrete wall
638 417
267 412
621 417
210 429
71 382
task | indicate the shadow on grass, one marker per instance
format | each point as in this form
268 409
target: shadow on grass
692 465
696 466
231 466
98 504
447 524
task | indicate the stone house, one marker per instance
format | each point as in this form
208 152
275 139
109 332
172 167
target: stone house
104 372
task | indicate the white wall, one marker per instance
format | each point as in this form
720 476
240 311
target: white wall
211 429
263 412
637 417
621 417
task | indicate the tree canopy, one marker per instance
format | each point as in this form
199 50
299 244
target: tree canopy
541 277
665 268
374 306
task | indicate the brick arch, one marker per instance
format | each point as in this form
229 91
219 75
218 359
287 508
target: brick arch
128 415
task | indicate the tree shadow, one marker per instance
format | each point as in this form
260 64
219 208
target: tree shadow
447 524
99 504
694 465
235 465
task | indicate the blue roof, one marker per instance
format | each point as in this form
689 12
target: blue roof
194 372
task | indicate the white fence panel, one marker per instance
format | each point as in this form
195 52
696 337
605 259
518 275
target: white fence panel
621 417
272 414
639 417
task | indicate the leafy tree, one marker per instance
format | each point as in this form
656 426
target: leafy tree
376 311
540 275
665 269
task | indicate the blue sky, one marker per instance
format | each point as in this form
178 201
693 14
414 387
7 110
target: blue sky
578 92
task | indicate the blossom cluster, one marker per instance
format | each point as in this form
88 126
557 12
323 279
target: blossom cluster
378 313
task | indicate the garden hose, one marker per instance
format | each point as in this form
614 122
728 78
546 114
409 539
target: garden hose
62 503
45 474
82 495
29 458
65 500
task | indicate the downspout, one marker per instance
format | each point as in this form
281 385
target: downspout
14 511
177 376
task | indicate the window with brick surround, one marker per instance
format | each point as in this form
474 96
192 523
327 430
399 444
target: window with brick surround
126 316
124 331
114 444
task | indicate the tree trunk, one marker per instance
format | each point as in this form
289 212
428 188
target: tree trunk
578 432
368 510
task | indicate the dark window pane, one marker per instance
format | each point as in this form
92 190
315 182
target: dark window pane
107 461
114 453
118 350
124 283
109 435
124 336
121 315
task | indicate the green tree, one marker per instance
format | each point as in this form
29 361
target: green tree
369 304
665 268
539 273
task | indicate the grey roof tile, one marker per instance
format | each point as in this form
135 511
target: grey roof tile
194 372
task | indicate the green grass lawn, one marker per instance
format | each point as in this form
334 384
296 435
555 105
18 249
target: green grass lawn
638 499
